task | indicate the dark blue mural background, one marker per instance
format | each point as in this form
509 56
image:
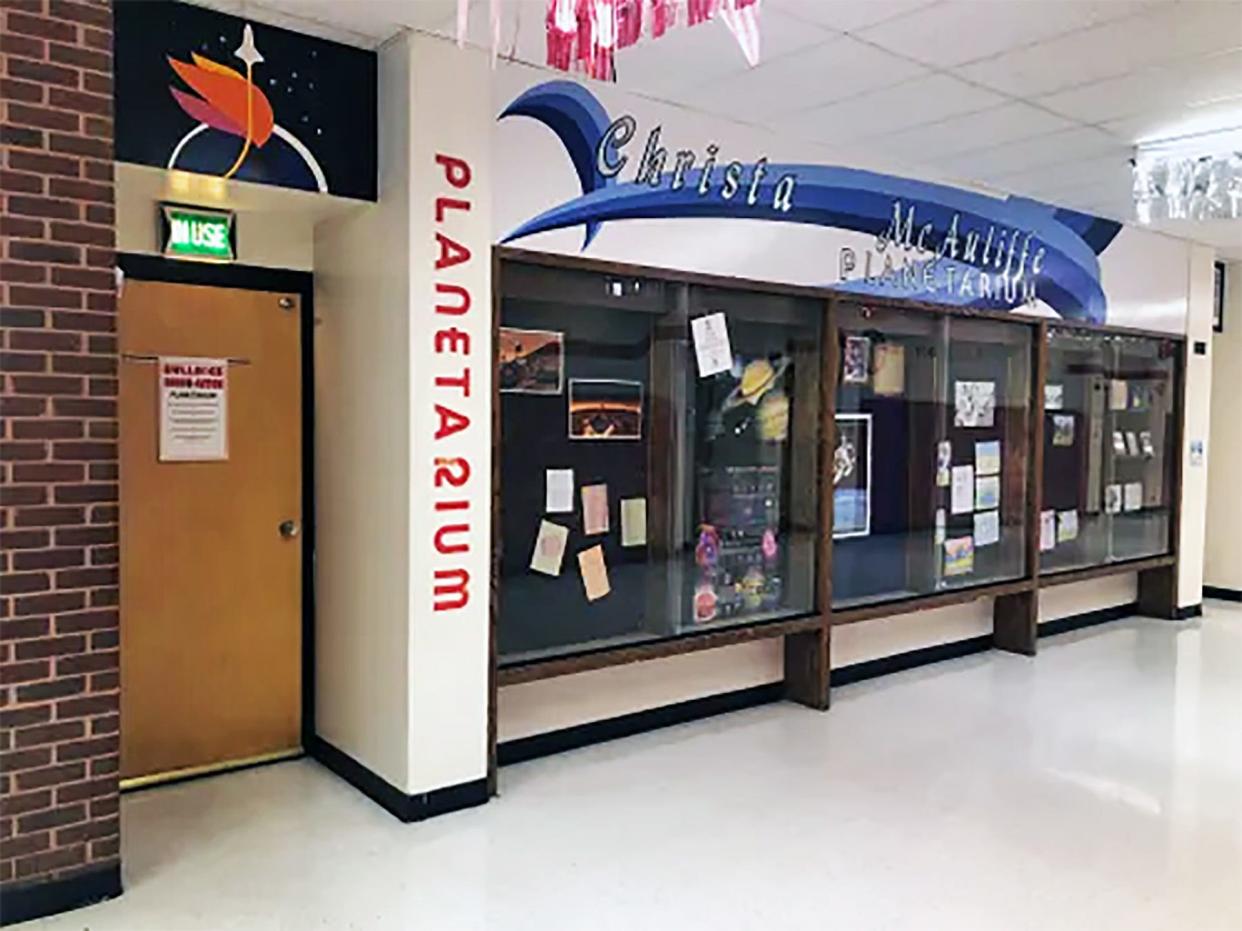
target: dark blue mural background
324 93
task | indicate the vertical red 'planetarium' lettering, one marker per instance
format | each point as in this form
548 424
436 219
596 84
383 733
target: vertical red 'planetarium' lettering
451 583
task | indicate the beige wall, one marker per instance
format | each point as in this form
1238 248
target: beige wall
275 226
552 704
362 467
1223 552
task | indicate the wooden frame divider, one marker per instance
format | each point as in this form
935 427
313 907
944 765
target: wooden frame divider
807 639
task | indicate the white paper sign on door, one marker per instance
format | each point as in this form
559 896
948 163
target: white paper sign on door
711 344
194 423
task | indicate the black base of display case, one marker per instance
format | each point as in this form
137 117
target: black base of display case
911 659
401 805
40 899
1064 625
629 725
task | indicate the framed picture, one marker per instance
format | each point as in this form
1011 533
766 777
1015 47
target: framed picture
602 409
531 361
959 556
856 361
851 477
1218 299
974 404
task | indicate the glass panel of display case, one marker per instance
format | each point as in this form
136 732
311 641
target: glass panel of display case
750 534
1108 448
578 410
1075 529
987 426
929 476
1138 454
652 436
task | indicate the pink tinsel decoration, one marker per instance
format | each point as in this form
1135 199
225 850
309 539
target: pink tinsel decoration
629 22
562 23
663 17
597 38
698 11
590 31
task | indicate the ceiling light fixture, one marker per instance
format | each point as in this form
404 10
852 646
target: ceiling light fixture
1195 177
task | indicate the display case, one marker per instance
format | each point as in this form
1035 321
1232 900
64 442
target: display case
930 459
1110 429
685 461
658 459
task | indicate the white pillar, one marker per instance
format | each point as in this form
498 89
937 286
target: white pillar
403 445
1197 423
450 413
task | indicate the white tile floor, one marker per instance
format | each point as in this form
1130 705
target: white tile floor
1097 788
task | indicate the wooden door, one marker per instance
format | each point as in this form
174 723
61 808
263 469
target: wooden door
211 609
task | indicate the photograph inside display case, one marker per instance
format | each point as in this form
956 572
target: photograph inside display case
1109 410
929 478
658 459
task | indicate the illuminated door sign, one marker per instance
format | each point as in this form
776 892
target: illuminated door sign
188 233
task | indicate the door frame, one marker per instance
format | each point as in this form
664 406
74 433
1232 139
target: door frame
145 267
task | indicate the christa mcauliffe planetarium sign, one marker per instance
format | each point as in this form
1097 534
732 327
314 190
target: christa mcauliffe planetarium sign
944 243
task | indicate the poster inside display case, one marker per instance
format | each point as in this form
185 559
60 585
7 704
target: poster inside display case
1109 442
943 404
658 459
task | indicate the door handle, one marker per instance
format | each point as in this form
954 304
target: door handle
290 529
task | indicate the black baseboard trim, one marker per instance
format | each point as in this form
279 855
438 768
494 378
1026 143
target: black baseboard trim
1186 613
40 899
404 807
912 659
627 725
1224 594
1063 625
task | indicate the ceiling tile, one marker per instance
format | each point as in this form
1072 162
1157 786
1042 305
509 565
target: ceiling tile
838 69
1172 122
846 15
995 126
1223 234
1154 90
911 103
1091 179
321 18
996 162
949 34
1167 32
690 56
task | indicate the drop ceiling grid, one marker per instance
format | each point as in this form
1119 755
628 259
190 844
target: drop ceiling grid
1035 96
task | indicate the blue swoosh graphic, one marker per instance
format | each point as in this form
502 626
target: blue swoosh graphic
830 196
578 119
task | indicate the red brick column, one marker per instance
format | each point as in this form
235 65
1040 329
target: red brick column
59 630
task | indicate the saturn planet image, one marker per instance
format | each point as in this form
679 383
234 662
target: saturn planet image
758 387
758 378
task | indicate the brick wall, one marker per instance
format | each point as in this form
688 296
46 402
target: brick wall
59 678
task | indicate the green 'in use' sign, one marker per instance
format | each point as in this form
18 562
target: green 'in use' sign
186 233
